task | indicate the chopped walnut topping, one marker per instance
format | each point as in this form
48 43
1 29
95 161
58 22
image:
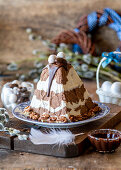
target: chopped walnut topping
46 115
34 116
71 117
53 118
39 119
27 109
59 119
96 109
79 118
63 119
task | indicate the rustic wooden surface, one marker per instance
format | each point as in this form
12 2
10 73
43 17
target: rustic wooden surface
47 18
88 159
72 150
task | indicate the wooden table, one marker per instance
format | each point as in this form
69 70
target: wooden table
90 159
42 16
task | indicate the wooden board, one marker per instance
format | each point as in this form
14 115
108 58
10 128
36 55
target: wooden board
81 142
6 141
72 150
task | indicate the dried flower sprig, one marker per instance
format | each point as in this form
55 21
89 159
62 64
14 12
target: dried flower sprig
85 65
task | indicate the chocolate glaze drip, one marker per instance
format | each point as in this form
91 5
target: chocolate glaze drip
60 62
52 70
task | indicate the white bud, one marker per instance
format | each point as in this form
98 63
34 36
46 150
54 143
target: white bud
84 67
28 30
63 45
15 131
25 137
22 137
60 55
51 59
88 74
35 51
87 58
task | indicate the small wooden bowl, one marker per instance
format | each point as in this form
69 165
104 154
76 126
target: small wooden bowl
105 140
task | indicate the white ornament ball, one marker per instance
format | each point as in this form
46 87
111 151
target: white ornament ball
24 84
15 82
7 91
60 55
106 86
15 90
116 88
12 98
5 100
2 96
51 59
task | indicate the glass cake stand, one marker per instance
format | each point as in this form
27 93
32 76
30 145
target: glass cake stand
18 113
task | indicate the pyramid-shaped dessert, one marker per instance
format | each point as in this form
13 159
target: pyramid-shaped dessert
60 95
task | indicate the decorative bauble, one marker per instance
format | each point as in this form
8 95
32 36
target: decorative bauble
12 98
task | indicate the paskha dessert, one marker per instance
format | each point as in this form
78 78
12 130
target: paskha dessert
60 95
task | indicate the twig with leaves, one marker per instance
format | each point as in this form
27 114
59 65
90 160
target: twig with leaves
85 65
4 118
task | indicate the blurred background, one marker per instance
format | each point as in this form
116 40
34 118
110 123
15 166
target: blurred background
46 18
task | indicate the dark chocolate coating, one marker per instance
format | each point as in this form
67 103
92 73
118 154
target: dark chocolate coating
59 62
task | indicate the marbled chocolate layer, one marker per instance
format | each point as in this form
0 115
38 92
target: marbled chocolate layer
67 94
